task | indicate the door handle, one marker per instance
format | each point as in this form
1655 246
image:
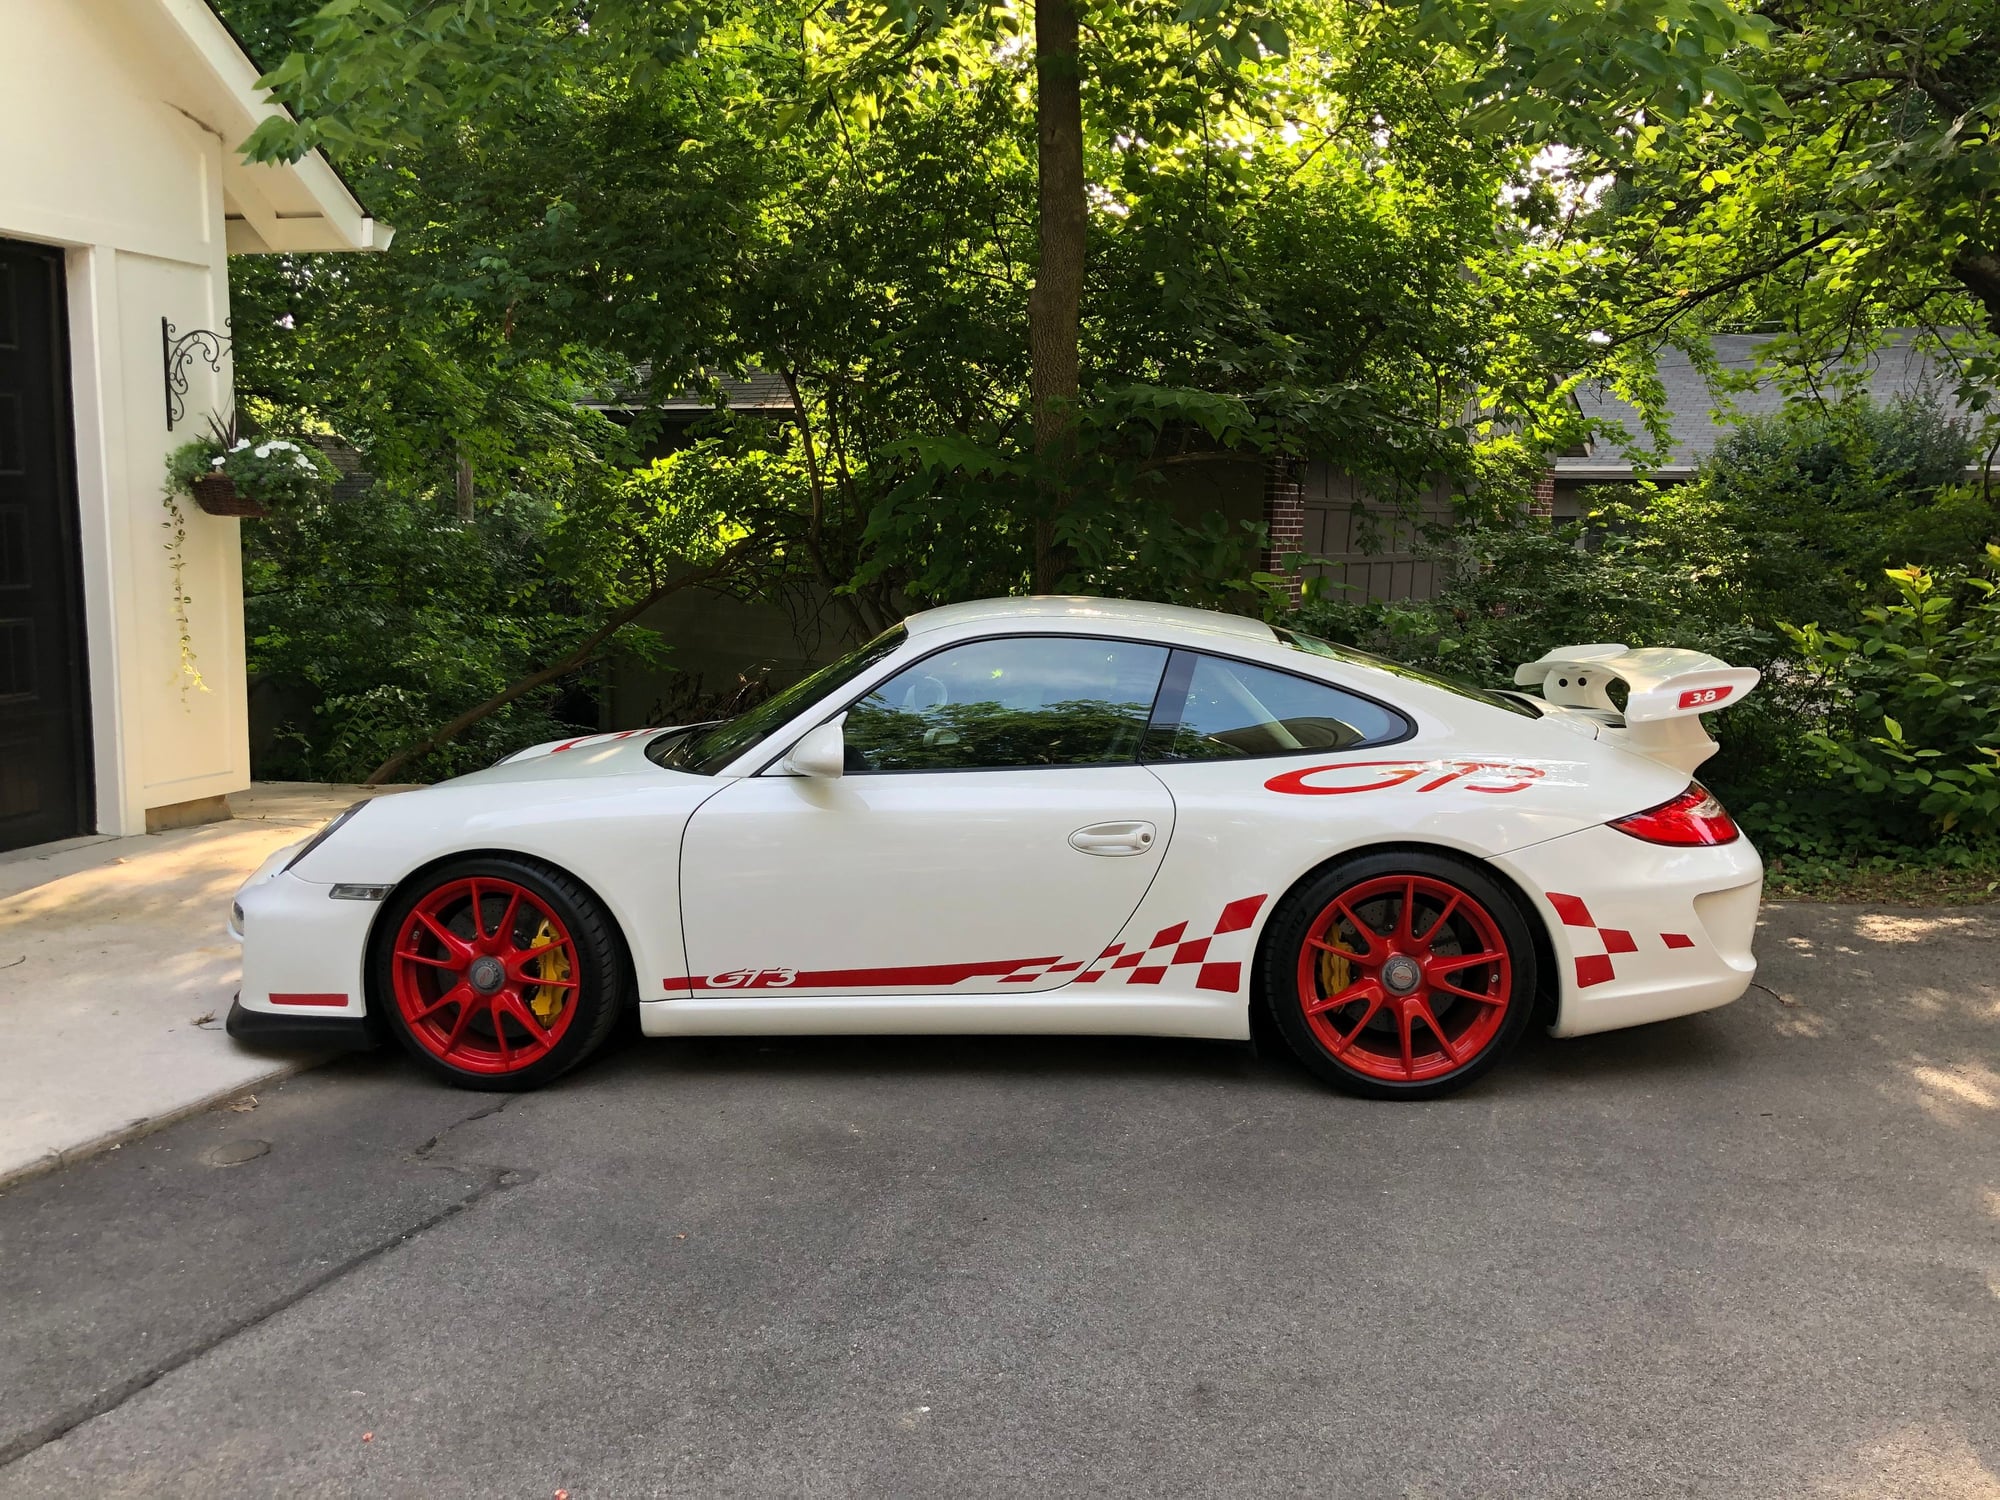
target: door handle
1113 838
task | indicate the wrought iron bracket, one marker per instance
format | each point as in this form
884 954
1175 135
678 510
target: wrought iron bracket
178 352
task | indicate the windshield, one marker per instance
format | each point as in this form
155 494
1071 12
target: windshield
707 748
1318 647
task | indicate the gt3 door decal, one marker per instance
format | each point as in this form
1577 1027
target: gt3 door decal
1147 963
924 976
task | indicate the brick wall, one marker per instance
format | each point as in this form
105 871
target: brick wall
1284 519
1543 505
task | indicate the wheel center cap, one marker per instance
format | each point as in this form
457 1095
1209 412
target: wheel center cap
1402 974
486 974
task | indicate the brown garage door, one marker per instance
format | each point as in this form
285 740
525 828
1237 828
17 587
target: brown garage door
44 746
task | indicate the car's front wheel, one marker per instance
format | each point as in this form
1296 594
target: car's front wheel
1400 975
498 973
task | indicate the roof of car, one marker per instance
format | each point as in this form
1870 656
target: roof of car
1051 609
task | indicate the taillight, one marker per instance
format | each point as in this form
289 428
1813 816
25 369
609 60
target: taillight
1694 817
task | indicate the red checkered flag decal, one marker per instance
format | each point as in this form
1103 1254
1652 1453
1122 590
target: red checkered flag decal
1218 958
1600 966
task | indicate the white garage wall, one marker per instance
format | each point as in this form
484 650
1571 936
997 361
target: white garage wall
94 159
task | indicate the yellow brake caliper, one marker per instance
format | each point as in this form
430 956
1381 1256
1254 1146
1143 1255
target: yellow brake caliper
1335 972
546 1000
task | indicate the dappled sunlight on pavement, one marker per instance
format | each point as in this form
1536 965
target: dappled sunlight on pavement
1967 1085
115 980
1935 1462
1918 987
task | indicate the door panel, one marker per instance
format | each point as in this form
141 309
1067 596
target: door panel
959 881
44 750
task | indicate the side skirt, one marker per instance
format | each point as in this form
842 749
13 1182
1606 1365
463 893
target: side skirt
1217 1017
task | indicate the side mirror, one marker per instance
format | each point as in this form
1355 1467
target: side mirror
819 752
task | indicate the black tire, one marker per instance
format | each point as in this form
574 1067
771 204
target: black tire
1486 911
602 990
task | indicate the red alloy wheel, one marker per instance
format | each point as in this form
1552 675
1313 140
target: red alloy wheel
1405 978
485 975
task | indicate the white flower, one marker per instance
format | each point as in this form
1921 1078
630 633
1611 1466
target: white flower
263 452
241 444
218 461
279 443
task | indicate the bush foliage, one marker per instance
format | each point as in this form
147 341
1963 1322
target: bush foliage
382 615
1836 551
1914 715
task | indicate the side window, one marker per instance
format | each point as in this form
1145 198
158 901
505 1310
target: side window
1233 709
1016 701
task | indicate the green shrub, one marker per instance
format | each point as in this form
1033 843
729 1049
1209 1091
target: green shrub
1914 717
374 620
1796 518
1825 498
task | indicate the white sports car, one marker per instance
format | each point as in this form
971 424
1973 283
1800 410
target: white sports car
1048 815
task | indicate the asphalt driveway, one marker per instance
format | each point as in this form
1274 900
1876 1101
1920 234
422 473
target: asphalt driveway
1752 1253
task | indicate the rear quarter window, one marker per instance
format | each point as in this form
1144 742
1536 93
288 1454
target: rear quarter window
1513 703
1216 708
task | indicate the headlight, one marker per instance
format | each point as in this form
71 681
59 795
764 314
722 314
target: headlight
322 836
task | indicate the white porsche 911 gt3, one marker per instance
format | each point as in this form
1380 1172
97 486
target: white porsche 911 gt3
1048 815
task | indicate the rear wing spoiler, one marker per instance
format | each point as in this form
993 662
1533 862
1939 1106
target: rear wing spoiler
1667 691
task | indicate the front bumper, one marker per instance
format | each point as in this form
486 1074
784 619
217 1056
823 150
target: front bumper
303 952
1642 932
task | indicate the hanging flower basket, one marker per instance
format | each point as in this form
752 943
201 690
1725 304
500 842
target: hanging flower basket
222 473
216 494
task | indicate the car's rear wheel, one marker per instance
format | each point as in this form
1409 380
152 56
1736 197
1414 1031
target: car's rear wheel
498 973
1401 975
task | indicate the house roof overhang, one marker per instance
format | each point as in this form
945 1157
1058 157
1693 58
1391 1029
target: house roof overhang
204 73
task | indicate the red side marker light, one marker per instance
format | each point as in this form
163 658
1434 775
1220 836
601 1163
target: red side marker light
1691 819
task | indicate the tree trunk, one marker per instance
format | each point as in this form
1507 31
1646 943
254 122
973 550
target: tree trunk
1978 271
463 484
1055 304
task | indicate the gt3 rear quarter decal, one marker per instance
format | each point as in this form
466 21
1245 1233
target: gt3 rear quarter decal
1496 776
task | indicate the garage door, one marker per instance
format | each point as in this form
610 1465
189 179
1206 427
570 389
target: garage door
44 747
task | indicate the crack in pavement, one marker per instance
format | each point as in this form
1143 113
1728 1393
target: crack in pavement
492 1180
423 1152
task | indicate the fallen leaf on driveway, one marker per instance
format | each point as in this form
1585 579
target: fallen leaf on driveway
203 1019
245 1105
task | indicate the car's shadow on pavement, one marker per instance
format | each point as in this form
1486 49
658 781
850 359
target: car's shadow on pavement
1668 1049
1665 1049
945 1056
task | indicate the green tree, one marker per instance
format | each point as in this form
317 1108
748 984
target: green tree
1854 190
1300 232
1197 80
